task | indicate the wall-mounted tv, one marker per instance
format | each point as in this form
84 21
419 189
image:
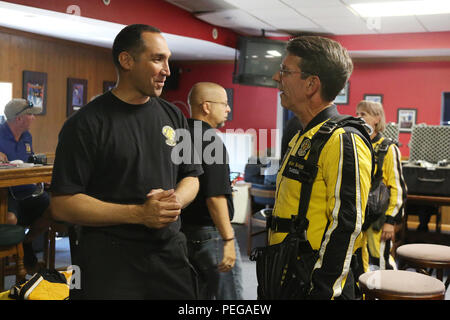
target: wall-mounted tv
258 60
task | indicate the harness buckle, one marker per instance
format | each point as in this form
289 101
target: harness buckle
327 127
383 147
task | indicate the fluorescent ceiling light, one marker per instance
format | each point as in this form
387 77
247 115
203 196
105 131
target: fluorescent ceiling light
402 8
274 53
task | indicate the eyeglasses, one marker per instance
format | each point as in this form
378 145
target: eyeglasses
28 106
285 72
222 103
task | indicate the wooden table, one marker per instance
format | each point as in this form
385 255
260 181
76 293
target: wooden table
16 177
438 237
430 200
442 201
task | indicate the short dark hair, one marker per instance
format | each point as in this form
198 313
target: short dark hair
129 39
324 58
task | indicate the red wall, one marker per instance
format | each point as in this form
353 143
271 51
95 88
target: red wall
253 107
403 85
416 85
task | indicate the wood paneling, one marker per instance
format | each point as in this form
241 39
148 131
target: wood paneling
60 59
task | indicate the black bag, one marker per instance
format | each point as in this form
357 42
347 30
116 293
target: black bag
377 204
379 196
284 270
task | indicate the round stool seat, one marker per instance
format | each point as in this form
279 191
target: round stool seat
399 284
427 252
11 235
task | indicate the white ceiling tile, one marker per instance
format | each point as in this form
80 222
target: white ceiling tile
233 18
400 25
311 3
435 22
255 4
349 26
281 19
325 12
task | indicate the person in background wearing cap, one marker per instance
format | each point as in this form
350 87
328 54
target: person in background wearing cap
27 204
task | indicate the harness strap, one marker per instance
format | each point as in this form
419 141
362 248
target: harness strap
380 155
300 223
278 224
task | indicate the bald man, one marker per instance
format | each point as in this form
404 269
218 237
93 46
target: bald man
206 222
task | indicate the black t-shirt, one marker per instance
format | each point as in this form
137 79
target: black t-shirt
117 152
215 180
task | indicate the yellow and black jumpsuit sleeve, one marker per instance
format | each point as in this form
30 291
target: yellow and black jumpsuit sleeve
346 171
393 179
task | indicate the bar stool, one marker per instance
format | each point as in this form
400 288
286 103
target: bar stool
424 255
400 285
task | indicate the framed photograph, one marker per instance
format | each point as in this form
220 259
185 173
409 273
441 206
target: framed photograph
108 85
374 97
34 89
76 95
406 118
230 93
343 96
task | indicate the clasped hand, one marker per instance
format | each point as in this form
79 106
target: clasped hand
161 208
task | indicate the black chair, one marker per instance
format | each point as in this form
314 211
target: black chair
262 199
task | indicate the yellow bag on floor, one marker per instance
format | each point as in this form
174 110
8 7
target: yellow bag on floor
44 285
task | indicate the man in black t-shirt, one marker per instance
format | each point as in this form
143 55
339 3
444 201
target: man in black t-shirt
206 222
114 176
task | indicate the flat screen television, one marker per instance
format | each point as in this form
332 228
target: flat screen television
258 60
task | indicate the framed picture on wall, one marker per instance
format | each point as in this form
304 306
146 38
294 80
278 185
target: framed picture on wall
230 93
373 97
34 89
406 118
76 95
108 85
343 96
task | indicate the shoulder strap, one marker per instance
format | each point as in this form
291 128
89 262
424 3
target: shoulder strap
318 141
382 150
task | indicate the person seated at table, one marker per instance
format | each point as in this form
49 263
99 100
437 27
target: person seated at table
27 204
380 234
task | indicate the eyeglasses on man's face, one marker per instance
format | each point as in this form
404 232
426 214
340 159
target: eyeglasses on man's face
285 72
225 104
28 106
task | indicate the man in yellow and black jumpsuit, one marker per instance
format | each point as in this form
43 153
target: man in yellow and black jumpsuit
313 72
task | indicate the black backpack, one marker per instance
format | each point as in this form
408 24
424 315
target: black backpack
284 270
379 196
